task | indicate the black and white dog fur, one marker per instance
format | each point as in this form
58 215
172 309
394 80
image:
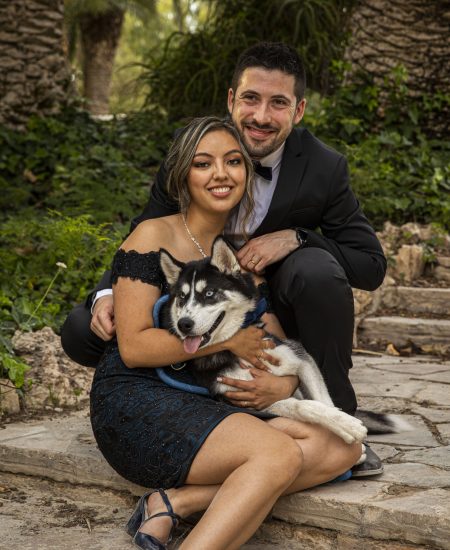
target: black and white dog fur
208 302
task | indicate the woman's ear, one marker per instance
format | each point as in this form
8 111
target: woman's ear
223 257
170 267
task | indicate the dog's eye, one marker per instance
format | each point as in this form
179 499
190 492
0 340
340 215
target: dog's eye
181 295
209 293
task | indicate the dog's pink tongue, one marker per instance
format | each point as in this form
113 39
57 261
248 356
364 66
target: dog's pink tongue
192 343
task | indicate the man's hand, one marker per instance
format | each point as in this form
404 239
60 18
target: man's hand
261 392
262 251
102 322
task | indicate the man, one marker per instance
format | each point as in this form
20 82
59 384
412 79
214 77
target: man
308 234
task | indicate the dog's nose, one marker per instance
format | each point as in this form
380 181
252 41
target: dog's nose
185 324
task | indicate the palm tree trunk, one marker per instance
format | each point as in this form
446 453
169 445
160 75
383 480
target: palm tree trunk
34 76
409 33
412 33
100 34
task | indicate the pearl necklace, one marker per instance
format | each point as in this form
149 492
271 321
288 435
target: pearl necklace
193 239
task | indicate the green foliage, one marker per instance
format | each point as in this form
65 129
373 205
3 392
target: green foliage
69 187
13 368
32 249
190 75
74 164
398 172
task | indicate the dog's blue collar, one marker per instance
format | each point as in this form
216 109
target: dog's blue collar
157 309
251 318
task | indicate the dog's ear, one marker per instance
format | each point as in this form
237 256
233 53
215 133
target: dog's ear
224 258
170 267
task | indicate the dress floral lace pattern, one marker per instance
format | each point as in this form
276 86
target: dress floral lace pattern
138 266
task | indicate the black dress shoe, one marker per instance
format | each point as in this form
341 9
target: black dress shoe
372 466
140 516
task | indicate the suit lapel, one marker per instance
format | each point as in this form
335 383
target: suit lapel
291 172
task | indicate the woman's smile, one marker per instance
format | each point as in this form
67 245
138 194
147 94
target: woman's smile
220 192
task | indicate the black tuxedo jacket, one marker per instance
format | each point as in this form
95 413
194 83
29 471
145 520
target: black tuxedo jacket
312 193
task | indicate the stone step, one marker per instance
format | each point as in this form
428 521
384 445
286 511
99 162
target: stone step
64 450
417 300
402 330
442 270
408 505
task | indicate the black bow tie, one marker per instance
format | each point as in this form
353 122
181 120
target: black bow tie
263 171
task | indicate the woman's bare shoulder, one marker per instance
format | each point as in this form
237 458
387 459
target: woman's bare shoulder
151 235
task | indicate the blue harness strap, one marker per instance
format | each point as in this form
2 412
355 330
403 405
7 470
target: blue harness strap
250 318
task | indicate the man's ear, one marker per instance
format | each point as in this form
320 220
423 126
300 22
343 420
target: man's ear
170 267
300 111
224 258
230 100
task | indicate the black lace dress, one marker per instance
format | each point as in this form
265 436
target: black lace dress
148 431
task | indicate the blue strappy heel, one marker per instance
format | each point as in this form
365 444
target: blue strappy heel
140 516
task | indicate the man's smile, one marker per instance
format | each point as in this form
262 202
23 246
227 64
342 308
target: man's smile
259 133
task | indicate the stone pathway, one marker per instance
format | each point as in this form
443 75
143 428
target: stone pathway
407 507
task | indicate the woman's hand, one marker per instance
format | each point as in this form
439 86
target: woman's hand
249 344
264 390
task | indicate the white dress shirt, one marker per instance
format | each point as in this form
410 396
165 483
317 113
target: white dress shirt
263 191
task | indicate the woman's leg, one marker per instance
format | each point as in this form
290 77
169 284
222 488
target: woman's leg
325 455
254 467
241 469
244 454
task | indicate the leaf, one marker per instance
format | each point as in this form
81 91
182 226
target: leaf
15 367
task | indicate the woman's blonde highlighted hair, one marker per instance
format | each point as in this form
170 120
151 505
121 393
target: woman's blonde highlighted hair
181 155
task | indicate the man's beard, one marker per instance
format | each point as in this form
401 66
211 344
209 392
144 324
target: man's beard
257 149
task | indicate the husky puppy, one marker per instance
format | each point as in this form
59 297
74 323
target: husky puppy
208 303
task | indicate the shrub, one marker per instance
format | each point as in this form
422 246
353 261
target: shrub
32 257
74 164
398 172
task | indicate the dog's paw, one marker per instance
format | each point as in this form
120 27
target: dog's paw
357 430
350 429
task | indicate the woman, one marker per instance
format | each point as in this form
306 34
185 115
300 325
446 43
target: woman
232 462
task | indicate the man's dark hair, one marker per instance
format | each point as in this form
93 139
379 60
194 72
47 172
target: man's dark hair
272 56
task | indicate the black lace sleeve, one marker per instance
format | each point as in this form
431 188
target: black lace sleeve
264 292
137 266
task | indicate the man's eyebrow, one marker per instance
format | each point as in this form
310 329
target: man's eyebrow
253 92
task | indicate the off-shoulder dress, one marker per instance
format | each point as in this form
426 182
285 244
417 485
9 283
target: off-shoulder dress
148 431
